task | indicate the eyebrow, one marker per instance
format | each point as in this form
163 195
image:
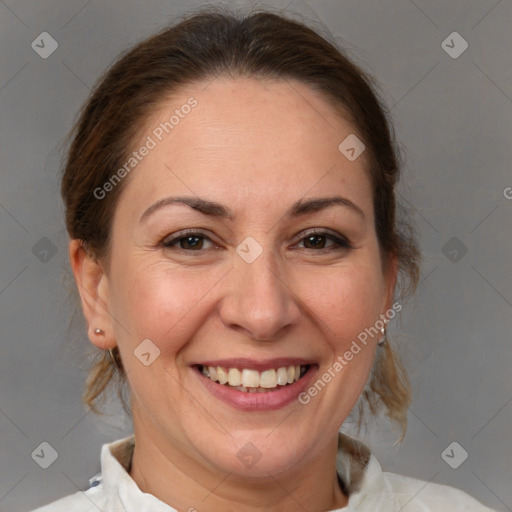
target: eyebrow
213 209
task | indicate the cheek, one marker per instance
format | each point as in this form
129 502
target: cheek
345 300
164 304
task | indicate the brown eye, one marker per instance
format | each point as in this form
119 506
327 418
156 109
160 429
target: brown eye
325 241
191 242
188 242
315 242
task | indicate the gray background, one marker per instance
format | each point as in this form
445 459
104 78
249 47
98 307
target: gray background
454 119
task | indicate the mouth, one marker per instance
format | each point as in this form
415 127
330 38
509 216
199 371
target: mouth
250 385
249 380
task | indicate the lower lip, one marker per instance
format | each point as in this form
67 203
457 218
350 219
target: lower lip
265 401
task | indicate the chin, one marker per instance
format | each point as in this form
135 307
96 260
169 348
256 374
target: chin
254 453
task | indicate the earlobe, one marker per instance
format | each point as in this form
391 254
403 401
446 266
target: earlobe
92 284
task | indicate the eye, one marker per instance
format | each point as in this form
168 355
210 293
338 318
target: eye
188 241
323 240
196 241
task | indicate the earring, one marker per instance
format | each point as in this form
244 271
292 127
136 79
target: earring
113 356
383 339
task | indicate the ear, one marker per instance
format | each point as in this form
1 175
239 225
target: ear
391 274
93 286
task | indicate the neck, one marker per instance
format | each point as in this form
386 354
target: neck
311 485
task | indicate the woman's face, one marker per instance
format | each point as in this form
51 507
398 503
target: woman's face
266 258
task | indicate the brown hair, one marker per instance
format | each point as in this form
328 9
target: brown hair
202 46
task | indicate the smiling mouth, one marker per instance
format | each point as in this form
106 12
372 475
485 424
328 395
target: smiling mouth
253 381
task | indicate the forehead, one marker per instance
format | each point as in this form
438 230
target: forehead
247 139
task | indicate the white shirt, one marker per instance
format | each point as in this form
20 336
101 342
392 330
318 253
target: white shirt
369 489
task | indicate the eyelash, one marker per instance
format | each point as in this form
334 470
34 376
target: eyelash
341 243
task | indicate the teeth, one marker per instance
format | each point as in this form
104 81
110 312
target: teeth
291 374
282 376
252 381
268 379
212 373
251 390
222 375
234 377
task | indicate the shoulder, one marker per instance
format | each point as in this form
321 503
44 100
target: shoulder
92 500
98 497
416 495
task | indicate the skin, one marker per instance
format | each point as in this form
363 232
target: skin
257 147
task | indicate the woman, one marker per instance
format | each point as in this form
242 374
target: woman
230 202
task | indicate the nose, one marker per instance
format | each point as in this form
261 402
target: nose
258 301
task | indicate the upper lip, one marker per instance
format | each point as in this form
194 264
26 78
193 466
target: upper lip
256 364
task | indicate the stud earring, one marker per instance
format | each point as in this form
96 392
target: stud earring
113 357
383 339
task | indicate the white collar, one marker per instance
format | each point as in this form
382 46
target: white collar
359 471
